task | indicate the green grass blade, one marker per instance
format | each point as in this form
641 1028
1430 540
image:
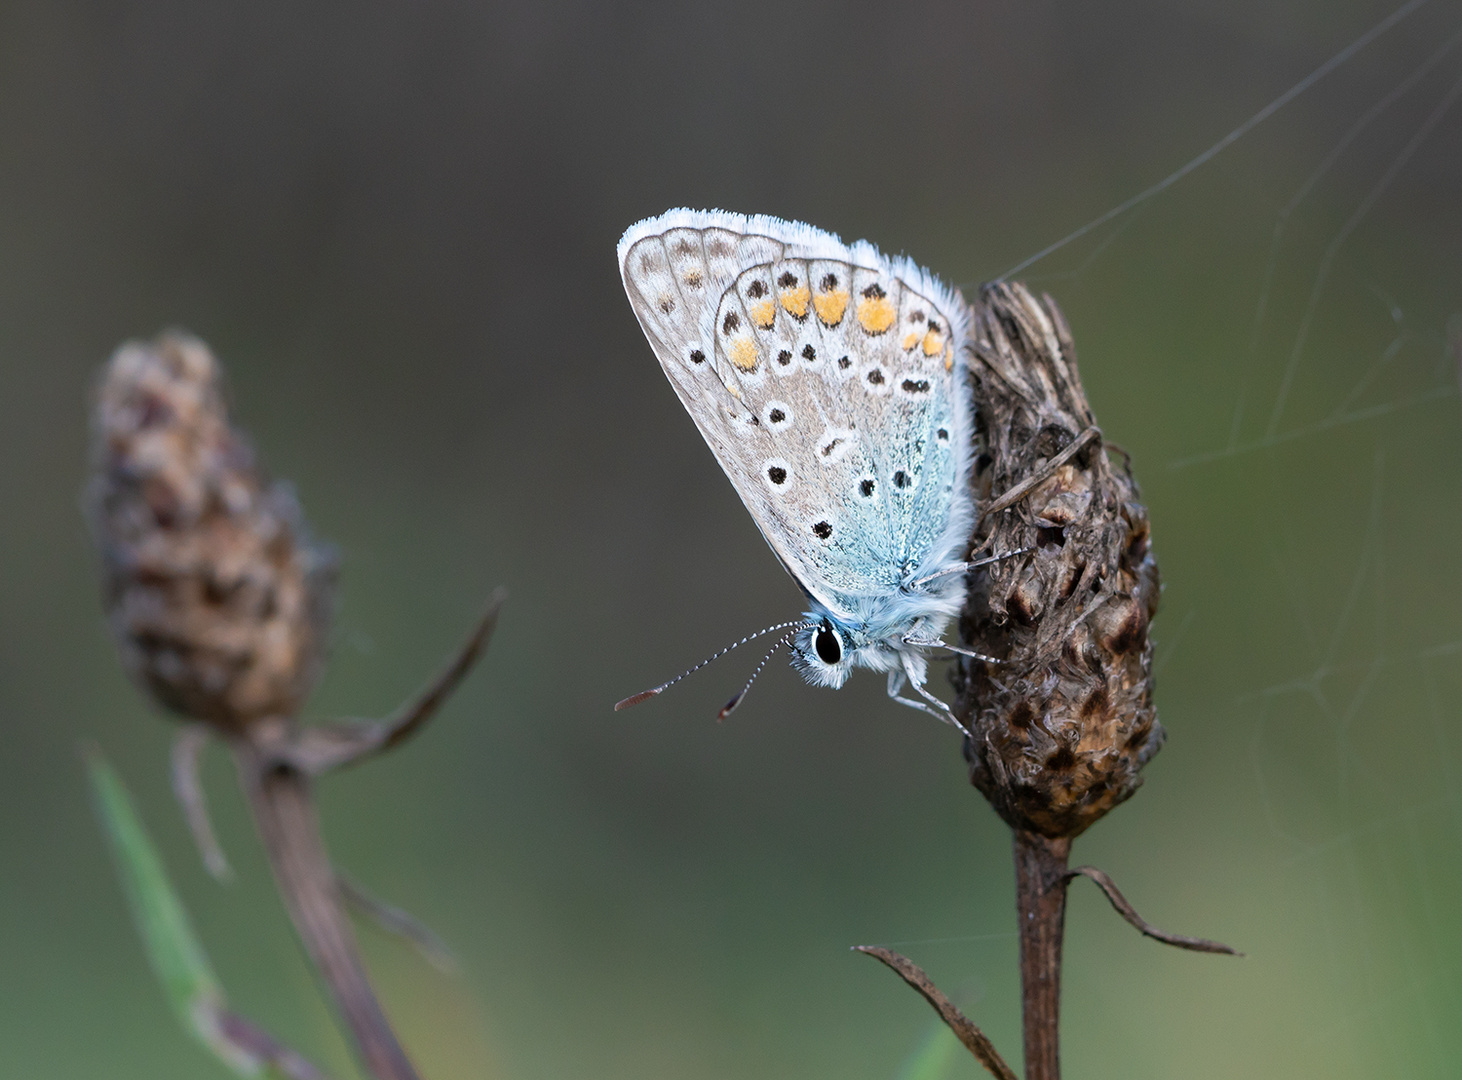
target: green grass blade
173 948
933 1056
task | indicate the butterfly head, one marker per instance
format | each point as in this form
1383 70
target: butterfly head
822 652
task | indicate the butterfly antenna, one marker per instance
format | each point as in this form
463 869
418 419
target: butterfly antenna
645 695
785 638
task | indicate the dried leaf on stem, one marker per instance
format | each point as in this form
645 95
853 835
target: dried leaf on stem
322 747
1119 902
964 1029
394 920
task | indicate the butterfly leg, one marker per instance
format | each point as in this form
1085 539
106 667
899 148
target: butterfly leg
934 707
917 639
966 567
896 680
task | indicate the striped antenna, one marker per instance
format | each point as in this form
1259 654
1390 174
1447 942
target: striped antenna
783 640
645 695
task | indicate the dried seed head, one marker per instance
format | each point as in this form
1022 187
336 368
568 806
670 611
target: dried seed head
1061 728
218 601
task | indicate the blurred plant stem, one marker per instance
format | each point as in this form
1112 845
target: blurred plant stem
277 763
220 605
284 812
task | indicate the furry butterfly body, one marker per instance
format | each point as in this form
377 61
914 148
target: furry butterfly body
831 383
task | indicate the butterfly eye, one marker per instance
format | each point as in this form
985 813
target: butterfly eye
829 648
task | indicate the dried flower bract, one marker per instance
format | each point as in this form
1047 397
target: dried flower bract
218 601
1060 729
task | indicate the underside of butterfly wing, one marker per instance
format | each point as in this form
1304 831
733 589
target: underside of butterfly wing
829 382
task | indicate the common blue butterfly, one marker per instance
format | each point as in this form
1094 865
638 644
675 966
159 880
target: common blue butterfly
832 385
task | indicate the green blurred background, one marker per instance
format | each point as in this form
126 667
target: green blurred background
396 224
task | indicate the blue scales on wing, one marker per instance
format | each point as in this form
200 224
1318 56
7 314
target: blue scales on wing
828 380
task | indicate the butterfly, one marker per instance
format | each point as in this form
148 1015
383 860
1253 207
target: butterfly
832 385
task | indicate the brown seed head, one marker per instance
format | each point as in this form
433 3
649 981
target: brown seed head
218 601
1061 728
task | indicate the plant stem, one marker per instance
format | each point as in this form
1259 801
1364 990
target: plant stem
285 814
1040 900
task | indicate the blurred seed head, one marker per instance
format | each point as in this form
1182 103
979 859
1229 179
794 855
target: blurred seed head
219 602
1062 727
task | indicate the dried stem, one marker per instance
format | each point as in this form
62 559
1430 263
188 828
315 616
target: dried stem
975 1040
1040 898
281 800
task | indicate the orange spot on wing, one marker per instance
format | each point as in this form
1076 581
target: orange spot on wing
763 313
875 313
932 343
910 340
743 353
831 305
948 358
795 300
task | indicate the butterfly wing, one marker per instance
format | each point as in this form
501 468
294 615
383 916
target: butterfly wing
829 382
